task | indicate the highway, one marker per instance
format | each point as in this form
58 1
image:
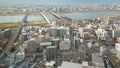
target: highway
112 57
114 60
13 38
45 18
64 18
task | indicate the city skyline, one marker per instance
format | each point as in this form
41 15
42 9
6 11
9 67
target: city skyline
57 2
59 33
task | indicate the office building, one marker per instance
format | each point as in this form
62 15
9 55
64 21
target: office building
80 31
97 60
101 33
74 33
24 36
53 31
35 35
86 35
117 49
51 52
55 42
31 45
41 38
116 32
62 31
20 56
44 45
65 44
110 21
76 43
10 60
7 33
1 35
82 52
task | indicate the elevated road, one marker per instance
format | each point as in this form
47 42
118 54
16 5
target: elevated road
13 38
114 60
56 15
66 20
60 16
45 18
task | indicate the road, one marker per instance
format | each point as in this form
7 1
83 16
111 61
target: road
114 60
13 38
45 18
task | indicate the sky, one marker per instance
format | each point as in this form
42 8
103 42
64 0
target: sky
57 2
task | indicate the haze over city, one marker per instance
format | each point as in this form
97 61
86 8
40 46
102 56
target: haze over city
59 33
57 2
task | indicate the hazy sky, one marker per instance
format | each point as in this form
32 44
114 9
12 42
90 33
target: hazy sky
57 2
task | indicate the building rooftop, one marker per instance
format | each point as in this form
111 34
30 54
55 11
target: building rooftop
50 64
51 47
45 43
97 58
70 65
55 39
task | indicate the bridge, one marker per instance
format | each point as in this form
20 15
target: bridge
56 15
45 18
66 20
13 38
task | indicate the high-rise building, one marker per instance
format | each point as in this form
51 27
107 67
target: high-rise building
82 52
65 44
24 36
50 52
97 61
9 60
81 31
62 31
1 35
44 45
86 35
31 45
117 49
110 21
20 56
76 43
55 42
53 32
7 33
116 32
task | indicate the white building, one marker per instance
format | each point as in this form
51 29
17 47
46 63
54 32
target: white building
20 56
101 33
65 45
50 64
117 49
74 65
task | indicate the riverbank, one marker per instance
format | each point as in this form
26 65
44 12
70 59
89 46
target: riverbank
16 14
36 23
15 24
9 25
